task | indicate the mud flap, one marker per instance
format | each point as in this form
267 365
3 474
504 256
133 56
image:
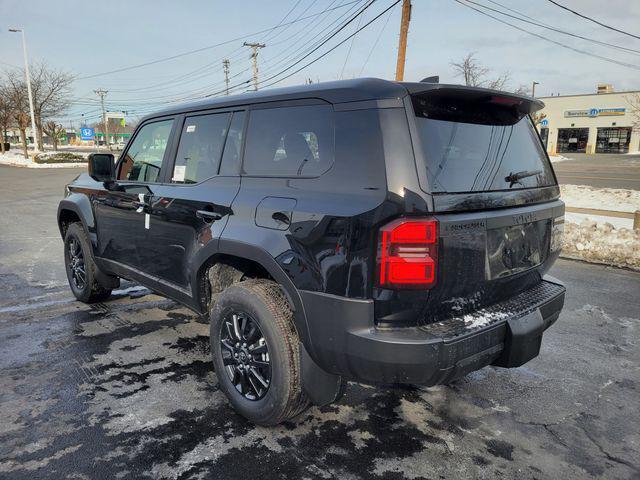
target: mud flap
522 340
321 387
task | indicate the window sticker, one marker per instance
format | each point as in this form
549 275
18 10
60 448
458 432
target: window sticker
191 128
179 172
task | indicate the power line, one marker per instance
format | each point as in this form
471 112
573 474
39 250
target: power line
346 59
584 52
208 47
532 21
324 41
155 100
375 44
594 20
337 45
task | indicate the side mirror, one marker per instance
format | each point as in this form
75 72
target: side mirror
102 167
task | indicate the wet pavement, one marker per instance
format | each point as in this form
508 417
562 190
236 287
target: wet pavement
125 389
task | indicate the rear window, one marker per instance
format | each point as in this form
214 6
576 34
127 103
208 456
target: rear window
479 146
290 141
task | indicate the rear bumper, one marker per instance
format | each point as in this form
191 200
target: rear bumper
508 334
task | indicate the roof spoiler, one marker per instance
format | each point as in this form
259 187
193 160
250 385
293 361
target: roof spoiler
523 104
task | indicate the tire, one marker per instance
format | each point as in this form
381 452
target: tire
88 290
258 303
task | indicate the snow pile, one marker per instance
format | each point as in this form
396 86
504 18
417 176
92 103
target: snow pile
616 199
15 158
602 243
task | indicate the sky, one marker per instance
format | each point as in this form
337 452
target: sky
89 39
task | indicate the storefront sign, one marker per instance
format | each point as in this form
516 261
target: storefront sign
594 112
576 113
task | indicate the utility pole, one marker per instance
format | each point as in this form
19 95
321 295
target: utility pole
26 72
102 93
225 68
533 89
254 57
402 43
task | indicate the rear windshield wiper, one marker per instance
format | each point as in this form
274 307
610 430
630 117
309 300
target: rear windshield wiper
514 178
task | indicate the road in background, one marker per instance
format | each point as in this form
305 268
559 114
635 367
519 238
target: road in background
610 170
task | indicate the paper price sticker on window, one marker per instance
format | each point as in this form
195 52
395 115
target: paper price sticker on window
191 128
178 173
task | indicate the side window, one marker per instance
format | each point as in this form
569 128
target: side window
290 141
233 145
200 147
143 159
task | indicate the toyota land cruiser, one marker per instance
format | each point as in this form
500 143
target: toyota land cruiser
364 230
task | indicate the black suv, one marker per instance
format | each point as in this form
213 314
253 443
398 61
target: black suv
360 230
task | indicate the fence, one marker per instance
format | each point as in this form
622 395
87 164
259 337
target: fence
635 216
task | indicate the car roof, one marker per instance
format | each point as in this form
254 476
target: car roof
355 90
339 91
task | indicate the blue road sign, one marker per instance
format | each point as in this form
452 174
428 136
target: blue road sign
87 133
544 122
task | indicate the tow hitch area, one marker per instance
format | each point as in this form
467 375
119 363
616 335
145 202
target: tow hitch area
522 341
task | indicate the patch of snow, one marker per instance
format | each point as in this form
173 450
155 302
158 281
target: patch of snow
482 318
617 222
616 199
15 158
559 158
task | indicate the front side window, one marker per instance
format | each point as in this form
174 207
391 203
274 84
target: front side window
290 141
143 160
200 148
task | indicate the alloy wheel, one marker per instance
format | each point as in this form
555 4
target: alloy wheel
77 264
245 355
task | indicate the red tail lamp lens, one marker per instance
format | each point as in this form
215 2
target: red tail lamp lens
407 253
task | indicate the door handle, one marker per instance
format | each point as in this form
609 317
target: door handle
140 206
208 216
281 217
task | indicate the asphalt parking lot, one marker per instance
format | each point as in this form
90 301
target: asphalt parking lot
124 388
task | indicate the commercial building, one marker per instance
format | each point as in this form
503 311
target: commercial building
601 122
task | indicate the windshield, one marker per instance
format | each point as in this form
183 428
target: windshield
480 150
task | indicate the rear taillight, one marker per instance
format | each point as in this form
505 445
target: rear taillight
407 253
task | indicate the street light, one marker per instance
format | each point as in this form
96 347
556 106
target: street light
533 89
26 72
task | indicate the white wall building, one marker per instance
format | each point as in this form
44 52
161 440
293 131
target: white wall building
599 122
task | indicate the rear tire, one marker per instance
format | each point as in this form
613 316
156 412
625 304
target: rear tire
80 266
257 304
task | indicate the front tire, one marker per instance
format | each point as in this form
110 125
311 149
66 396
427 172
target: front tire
80 267
256 352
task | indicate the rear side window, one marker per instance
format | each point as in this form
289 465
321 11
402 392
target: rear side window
200 147
472 147
143 160
290 141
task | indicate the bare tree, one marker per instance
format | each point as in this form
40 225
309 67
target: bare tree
475 74
6 114
51 94
55 131
537 117
16 89
523 90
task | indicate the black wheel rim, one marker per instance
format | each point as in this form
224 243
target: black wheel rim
245 355
76 265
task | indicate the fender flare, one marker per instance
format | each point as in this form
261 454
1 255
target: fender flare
265 259
81 206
